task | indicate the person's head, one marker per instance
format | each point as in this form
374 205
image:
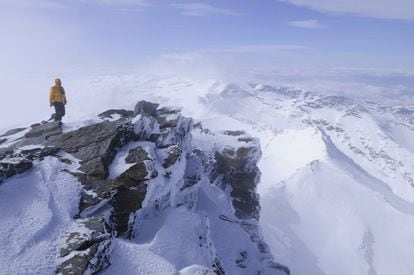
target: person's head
58 82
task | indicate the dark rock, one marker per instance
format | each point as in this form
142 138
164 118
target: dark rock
125 203
135 174
241 174
123 113
168 117
12 132
234 133
13 167
246 139
39 153
241 261
137 155
94 191
90 250
173 153
146 108
2 140
95 145
96 167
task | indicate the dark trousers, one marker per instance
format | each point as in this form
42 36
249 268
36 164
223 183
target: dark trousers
59 111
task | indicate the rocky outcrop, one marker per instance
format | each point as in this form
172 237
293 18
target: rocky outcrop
95 145
9 168
233 168
14 162
134 164
145 108
86 248
239 172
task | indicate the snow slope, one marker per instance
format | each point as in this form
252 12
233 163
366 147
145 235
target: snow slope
36 208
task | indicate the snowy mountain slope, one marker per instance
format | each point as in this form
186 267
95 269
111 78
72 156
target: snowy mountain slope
336 172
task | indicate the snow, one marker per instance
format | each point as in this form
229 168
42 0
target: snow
321 205
36 208
128 258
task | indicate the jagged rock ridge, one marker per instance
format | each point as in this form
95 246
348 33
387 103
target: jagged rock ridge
137 167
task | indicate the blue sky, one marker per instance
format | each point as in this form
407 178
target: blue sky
375 34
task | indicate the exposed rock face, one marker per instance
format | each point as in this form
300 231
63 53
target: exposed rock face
13 162
137 155
145 108
13 167
135 165
2 140
88 244
94 145
39 133
235 166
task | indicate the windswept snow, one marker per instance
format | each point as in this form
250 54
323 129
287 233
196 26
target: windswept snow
36 208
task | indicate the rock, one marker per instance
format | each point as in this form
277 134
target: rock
173 153
242 174
123 113
39 153
234 133
146 108
135 174
125 203
94 191
95 145
13 167
12 132
2 140
168 117
96 168
44 130
137 155
89 244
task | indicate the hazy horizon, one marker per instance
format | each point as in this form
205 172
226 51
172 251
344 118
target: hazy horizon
354 47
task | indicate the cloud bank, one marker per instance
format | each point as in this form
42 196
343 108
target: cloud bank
384 9
306 24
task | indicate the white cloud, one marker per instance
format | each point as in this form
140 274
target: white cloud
142 3
202 9
258 48
385 9
306 24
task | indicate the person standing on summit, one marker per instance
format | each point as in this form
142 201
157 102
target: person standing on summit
57 98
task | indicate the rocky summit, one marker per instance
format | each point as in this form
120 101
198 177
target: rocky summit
145 189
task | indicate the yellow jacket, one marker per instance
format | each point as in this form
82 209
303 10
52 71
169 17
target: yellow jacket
57 94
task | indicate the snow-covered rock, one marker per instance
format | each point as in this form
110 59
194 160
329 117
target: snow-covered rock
148 185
